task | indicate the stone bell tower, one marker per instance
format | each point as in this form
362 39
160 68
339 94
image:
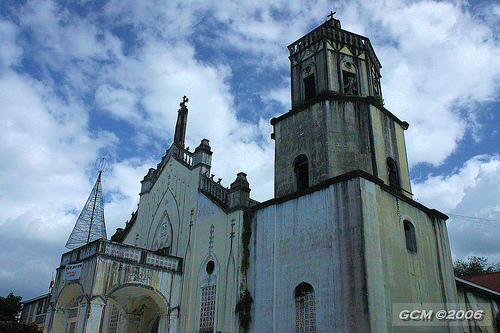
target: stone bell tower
337 123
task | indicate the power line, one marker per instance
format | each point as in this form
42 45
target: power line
488 222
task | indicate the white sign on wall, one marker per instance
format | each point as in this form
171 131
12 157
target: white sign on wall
72 272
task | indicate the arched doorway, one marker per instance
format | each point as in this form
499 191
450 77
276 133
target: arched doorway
66 312
136 308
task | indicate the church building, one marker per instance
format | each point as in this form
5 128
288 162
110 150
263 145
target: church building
340 246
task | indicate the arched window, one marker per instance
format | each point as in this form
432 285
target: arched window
305 308
208 295
309 81
72 317
393 173
410 236
114 317
349 78
301 169
309 87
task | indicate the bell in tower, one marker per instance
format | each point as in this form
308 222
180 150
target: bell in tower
337 123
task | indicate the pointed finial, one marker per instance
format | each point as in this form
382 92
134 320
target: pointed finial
102 165
184 101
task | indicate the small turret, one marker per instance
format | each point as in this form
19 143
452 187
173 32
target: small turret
148 181
202 156
239 192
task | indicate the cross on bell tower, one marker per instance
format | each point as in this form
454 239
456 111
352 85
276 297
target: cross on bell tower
337 123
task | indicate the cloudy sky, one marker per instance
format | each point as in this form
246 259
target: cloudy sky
80 80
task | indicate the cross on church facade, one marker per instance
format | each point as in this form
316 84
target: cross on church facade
231 234
211 241
331 14
184 101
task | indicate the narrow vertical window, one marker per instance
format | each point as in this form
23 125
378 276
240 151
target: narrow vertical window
375 83
208 300
301 169
410 236
72 316
113 319
309 87
393 173
349 78
305 308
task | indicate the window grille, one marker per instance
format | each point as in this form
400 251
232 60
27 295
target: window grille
207 314
305 308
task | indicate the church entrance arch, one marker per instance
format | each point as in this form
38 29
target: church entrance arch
67 308
135 307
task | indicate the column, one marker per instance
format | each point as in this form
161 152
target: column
96 307
173 326
163 325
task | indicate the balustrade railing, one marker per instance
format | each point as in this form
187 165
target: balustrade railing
183 154
214 188
106 248
157 260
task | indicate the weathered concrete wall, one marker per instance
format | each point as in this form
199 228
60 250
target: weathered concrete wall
348 242
318 239
348 130
388 137
338 136
474 301
301 133
395 274
333 134
215 236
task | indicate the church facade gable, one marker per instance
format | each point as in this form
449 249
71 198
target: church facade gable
215 238
164 211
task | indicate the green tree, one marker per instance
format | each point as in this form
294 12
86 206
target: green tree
14 327
10 306
473 266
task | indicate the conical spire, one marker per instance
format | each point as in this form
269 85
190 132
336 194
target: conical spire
90 225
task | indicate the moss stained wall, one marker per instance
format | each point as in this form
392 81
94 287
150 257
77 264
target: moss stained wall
395 274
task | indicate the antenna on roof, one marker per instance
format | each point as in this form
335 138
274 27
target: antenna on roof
90 224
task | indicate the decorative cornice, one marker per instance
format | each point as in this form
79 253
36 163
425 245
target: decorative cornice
349 176
335 34
330 96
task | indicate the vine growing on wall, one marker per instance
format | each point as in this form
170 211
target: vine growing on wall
244 304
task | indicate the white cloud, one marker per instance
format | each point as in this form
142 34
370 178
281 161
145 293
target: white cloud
440 59
44 153
446 192
437 59
9 51
471 197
